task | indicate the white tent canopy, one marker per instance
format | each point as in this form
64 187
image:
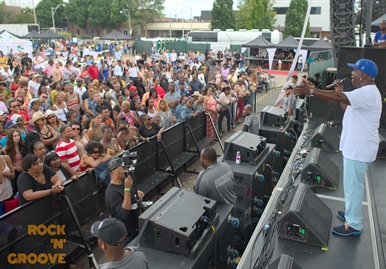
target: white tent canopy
9 42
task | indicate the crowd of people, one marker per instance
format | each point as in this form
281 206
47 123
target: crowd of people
75 114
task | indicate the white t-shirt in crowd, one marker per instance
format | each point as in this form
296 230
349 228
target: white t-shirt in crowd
360 140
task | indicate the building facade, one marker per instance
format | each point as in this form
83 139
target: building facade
319 16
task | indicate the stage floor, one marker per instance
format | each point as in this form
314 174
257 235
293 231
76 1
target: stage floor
365 251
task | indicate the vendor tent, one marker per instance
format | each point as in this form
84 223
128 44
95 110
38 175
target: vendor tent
115 35
32 35
375 24
49 35
321 44
288 43
9 42
259 42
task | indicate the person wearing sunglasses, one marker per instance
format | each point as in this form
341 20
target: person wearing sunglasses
14 107
63 170
94 156
149 128
187 110
128 136
79 137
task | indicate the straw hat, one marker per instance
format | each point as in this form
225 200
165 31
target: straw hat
196 93
49 112
36 116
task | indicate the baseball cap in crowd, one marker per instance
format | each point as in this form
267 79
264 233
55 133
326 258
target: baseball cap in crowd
110 231
289 87
10 124
15 117
304 76
366 66
3 83
132 88
295 76
114 164
108 95
1 113
33 101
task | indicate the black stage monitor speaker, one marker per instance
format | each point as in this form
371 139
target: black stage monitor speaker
249 145
273 116
319 170
284 262
324 110
326 137
175 222
305 218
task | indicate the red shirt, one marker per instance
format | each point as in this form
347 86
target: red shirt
21 112
161 92
93 71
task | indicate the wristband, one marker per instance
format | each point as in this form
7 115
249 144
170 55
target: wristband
127 189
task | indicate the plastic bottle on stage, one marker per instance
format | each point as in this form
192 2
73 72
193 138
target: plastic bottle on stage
238 157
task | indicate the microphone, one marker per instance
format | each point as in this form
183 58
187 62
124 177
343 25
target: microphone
342 81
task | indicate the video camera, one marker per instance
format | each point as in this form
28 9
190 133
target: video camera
129 161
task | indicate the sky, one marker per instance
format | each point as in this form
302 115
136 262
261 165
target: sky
181 8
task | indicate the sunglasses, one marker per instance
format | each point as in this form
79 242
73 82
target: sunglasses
122 128
148 119
96 152
42 119
15 106
44 97
75 129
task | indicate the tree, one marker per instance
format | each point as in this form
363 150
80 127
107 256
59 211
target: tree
99 13
76 12
44 15
295 17
21 17
2 11
223 16
256 14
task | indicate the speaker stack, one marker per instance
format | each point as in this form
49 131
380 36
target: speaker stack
276 127
253 177
342 25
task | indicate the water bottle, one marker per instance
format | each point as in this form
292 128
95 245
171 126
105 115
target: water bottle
238 157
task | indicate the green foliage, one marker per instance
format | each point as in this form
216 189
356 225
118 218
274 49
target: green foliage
256 14
2 11
44 15
76 12
107 13
295 17
222 14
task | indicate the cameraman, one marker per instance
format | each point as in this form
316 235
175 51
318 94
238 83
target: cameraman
121 198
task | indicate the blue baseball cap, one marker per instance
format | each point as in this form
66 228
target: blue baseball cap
366 66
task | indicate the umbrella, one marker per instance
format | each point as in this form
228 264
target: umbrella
115 35
32 35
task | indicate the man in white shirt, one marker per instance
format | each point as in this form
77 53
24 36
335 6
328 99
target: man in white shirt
118 69
201 77
359 140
